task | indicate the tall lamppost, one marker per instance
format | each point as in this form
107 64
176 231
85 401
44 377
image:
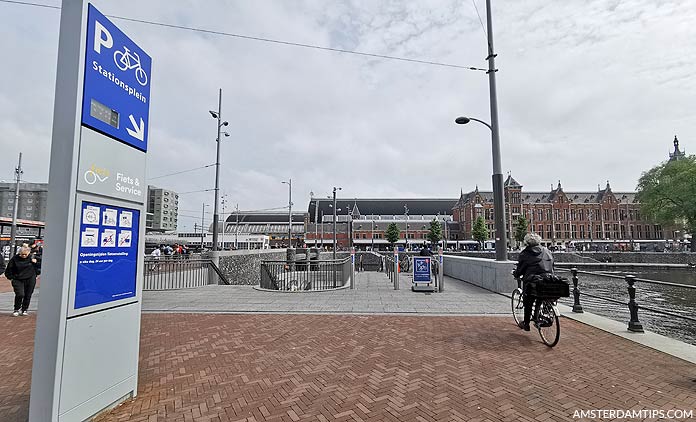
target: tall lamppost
236 225
498 194
217 115
223 202
202 226
334 220
289 183
406 214
372 246
316 221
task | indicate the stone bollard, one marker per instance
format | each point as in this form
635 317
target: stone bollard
633 325
577 307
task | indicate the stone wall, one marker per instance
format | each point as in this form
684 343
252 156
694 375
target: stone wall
243 267
487 273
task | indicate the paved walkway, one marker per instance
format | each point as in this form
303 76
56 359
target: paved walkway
369 354
373 294
260 367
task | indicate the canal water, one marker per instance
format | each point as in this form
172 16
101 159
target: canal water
673 299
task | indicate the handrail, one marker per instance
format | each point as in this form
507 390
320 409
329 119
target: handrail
304 261
642 280
219 273
634 324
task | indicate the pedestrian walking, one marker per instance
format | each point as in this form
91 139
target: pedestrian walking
22 271
2 263
155 255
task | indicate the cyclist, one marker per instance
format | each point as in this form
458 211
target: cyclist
425 251
534 261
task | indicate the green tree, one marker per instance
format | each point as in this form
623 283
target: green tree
435 231
479 231
522 228
392 233
667 194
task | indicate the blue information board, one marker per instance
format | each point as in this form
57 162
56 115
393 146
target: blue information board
107 254
421 269
116 99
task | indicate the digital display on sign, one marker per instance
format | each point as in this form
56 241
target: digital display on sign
107 254
103 113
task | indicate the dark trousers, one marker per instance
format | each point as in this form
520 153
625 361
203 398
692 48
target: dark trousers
23 290
529 301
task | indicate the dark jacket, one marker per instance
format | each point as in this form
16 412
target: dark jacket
425 252
534 260
21 268
2 262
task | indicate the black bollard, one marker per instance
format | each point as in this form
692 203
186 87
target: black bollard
577 307
633 325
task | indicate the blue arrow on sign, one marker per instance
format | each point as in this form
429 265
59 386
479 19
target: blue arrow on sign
116 99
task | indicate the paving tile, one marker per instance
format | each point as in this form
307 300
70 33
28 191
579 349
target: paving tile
225 367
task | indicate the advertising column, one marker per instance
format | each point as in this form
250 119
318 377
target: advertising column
88 325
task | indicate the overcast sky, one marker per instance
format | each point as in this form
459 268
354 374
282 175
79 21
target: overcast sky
588 91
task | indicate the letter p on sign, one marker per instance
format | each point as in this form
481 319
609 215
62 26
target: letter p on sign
102 37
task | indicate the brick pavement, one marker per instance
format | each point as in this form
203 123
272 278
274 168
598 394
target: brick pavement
260 367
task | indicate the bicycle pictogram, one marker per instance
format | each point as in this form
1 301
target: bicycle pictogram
91 177
126 60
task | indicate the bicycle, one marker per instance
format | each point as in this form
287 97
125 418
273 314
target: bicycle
123 61
404 263
545 317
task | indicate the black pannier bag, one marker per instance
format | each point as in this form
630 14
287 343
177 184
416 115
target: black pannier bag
549 286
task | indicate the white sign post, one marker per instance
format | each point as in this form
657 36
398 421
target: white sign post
88 326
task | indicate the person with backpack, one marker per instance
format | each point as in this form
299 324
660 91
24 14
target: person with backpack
22 271
534 261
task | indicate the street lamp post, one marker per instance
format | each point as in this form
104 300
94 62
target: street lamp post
406 214
498 193
202 226
224 221
372 246
217 115
289 183
236 225
334 221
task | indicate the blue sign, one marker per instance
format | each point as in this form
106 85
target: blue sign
421 269
116 99
107 254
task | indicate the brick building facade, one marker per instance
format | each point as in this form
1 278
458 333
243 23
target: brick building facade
561 217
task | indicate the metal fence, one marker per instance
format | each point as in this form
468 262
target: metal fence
634 323
180 273
305 275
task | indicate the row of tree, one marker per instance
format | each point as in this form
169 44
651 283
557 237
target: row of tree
434 232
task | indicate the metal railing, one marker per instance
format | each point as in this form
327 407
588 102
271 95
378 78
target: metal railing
634 323
305 275
180 273
390 269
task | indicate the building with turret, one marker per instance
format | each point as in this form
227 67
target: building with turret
562 218
677 154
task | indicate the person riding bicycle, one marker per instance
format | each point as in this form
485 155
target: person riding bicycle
425 251
534 261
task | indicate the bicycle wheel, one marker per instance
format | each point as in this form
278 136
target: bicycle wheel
141 76
517 306
120 60
548 324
